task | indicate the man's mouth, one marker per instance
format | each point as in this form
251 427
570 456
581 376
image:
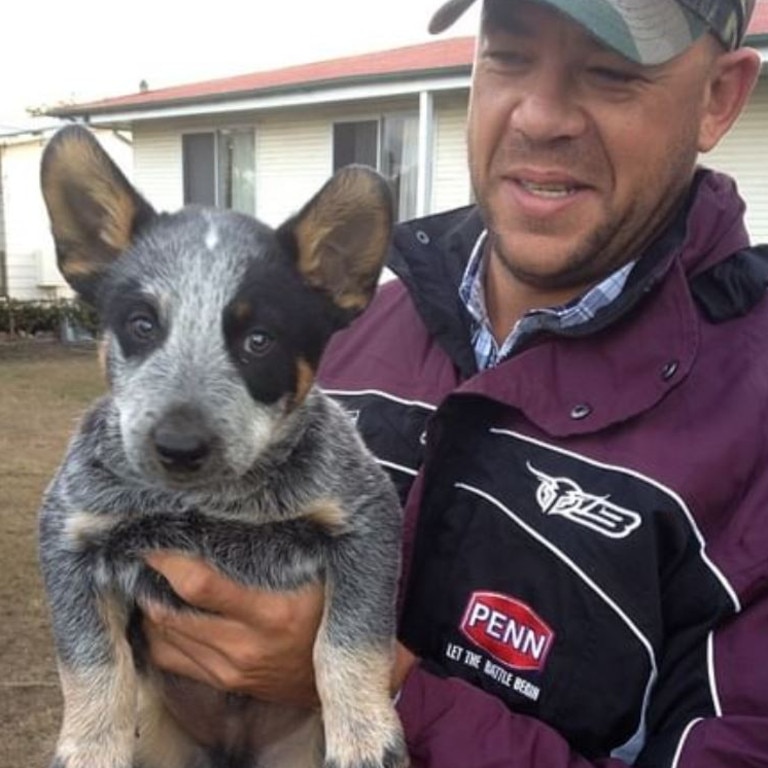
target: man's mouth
549 191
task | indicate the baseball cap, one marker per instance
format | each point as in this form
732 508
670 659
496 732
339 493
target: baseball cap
646 31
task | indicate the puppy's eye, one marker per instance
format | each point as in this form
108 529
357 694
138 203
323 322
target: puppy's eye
257 343
142 326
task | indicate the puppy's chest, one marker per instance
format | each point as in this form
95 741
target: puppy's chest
278 555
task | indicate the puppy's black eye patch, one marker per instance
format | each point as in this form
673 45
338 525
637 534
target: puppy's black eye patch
259 346
135 320
276 326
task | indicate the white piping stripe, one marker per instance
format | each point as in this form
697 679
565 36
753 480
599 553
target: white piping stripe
397 467
378 393
632 473
682 741
712 679
570 563
590 583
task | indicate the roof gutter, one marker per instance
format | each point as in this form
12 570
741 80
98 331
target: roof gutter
315 93
297 94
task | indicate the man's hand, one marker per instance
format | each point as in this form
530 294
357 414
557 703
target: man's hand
251 641
256 642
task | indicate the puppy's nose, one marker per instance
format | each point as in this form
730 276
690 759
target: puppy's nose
182 442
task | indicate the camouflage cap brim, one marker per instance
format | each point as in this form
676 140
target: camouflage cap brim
648 32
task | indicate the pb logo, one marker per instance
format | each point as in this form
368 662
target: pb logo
508 630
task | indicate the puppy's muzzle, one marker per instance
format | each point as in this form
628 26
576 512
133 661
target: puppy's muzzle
182 442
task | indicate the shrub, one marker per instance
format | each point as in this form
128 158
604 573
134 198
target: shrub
30 318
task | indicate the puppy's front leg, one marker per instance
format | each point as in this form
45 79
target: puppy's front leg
99 688
95 662
353 662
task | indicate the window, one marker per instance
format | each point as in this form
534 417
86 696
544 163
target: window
356 143
220 169
389 144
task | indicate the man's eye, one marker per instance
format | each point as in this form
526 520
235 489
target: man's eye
610 75
257 343
506 58
142 326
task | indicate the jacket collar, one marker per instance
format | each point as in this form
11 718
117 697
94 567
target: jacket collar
621 363
430 256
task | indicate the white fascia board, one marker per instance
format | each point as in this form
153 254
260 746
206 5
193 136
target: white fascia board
301 98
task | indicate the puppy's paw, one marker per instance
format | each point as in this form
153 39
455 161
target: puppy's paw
394 755
76 763
73 758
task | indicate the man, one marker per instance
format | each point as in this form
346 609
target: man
570 387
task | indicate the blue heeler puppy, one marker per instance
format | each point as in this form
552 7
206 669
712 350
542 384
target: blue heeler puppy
214 441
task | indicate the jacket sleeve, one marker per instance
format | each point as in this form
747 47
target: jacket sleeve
450 724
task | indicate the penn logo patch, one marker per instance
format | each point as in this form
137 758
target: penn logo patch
508 630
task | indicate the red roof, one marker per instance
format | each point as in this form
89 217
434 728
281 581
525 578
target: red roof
759 24
439 56
434 57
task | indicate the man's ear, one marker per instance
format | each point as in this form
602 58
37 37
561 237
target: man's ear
733 77
94 210
341 237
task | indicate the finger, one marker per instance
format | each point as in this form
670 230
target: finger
200 584
185 657
196 581
201 630
228 656
281 613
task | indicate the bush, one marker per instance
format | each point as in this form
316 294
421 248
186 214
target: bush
30 318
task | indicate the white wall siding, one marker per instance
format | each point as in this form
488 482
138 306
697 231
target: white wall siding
157 166
3 285
30 256
294 158
744 155
28 243
294 149
450 179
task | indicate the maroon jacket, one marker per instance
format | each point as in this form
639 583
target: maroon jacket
587 533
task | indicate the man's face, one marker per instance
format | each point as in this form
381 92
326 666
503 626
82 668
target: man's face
577 155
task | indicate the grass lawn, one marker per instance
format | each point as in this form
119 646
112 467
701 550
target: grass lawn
44 388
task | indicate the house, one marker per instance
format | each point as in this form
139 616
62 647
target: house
28 268
265 142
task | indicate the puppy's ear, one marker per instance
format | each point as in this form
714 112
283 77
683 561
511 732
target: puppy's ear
94 210
342 235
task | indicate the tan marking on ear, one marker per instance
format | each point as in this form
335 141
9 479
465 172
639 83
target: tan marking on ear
76 266
329 515
343 235
91 206
98 184
99 721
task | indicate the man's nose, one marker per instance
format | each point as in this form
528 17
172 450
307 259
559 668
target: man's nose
549 109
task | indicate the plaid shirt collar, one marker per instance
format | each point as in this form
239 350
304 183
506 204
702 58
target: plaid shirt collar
487 350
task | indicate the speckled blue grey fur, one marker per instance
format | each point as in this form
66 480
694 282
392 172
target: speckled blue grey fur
214 441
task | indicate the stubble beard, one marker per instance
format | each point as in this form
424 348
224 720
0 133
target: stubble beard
617 240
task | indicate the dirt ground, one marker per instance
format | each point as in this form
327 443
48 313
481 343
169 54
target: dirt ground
44 388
